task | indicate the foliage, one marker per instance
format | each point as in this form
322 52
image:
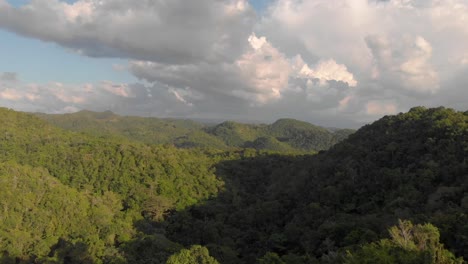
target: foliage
110 197
196 255
410 166
41 217
409 244
286 135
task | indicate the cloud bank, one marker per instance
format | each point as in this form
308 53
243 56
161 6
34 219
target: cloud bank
333 62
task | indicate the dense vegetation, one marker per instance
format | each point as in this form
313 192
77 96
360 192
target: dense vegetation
107 197
285 135
311 208
110 186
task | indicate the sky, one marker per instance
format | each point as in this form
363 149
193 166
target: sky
340 63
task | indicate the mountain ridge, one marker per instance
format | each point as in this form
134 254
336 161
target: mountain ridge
295 135
145 203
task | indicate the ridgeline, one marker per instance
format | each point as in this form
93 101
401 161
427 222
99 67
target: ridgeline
100 188
285 135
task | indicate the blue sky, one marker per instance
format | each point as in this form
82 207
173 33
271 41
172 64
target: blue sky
37 61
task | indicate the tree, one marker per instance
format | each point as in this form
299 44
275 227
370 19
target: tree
195 255
271 258
410 244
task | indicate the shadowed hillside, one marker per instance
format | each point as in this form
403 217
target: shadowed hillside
311 209
69 197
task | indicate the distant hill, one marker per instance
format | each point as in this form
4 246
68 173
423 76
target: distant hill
182 133
303 135
68 197
74 197
283 135
313 209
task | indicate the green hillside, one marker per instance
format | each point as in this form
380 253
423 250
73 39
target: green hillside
42 217
269 143
396 191
302 135
312 209
181 133
85 198
236 134
284 135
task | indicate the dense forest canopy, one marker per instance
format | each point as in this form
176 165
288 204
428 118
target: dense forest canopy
285 135
100 188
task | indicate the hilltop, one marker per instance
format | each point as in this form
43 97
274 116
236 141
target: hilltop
311 209
105 197
284 135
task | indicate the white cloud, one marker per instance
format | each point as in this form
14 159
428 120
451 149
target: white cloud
406 61
418 72
58 97
329 70
380 108
259 76
265 70
176 31
309 59
80 10
402 53
120 89
11 94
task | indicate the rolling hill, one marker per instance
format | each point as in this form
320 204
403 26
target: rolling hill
283 135
313 209
393 192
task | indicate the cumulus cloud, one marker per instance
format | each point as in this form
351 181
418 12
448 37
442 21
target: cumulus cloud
327 70
259 76
175 31
265 70
406 61
401 53
56 97
329 61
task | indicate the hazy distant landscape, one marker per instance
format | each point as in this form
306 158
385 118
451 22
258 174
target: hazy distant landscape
286 135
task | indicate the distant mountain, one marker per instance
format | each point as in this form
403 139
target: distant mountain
283 135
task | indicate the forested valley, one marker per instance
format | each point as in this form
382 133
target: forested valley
101 188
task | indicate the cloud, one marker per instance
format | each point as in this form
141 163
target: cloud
11 94
405 60
119 89
8 76
329 61
265 71
57 97
400 53
380 108
259 76
174 32
328 70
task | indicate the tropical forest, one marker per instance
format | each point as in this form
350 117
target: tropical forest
96 187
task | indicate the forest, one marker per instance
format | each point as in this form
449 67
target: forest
285 135
102 188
